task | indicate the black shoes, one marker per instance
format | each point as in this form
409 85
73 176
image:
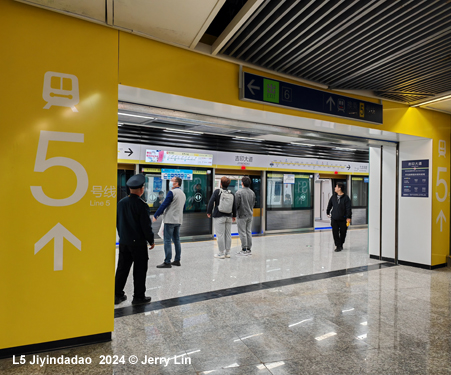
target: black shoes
118 300
174 263
165 265
338 248
141 301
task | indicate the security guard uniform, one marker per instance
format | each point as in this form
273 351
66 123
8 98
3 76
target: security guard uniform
135 231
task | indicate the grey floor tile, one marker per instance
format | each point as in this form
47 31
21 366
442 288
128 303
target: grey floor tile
386 321
274 258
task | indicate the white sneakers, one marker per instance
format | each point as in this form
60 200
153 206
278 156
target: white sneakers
244 253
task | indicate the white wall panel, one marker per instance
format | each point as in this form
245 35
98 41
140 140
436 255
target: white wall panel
374 196
415 214
388 201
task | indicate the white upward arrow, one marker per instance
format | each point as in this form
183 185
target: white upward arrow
441 216
58 233
250 87
331 102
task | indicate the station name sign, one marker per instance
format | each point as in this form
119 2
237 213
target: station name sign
260 89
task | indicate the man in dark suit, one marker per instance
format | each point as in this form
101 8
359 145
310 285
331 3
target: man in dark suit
135 231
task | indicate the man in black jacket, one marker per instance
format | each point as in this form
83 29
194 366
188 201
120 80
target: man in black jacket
135 231
341 215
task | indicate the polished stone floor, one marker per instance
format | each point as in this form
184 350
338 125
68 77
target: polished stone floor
389 320
274 258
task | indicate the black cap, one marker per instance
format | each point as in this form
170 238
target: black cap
136 182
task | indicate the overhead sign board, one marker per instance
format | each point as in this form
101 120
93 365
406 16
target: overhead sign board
259 89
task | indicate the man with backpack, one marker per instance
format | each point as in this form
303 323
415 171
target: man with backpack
222 208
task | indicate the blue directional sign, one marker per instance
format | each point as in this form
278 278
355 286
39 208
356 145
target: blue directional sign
415 178
274 92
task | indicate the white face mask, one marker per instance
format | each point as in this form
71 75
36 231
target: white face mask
171 185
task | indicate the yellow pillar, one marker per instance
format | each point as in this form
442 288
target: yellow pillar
58 105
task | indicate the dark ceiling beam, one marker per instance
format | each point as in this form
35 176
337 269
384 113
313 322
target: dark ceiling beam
380 33
334 27
351 35
277 13
415 64
305 31
392 54
296 30
286 25
262 14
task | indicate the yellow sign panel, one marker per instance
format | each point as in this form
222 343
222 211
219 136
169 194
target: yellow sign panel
357 179
58 228
302 176
157 170
199 172
362 110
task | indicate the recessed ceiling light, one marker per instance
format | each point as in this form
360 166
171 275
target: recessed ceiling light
249 139
302 144
432 101
140 116
345 149
169 130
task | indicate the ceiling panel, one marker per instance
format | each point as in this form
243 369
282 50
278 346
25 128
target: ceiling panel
172 21
91 9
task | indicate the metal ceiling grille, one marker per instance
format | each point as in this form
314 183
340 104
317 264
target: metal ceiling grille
401 50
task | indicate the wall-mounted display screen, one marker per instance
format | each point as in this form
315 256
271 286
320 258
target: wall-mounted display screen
177 158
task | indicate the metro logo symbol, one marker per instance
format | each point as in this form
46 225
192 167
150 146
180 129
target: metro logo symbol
270 91
60 90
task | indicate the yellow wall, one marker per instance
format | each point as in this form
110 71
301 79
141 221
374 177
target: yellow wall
40 304
159 67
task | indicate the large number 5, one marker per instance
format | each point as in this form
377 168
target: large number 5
441 181
42 164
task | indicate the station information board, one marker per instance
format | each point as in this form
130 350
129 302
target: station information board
415 178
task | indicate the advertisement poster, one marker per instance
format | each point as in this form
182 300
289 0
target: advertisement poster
173 157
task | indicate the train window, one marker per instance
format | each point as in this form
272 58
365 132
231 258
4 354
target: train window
298 195
155 191
122 177
359 189
196 193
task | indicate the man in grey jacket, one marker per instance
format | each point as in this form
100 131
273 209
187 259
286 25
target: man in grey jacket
173 218
245 202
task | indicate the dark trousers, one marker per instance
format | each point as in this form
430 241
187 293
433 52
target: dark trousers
339 230
128 255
